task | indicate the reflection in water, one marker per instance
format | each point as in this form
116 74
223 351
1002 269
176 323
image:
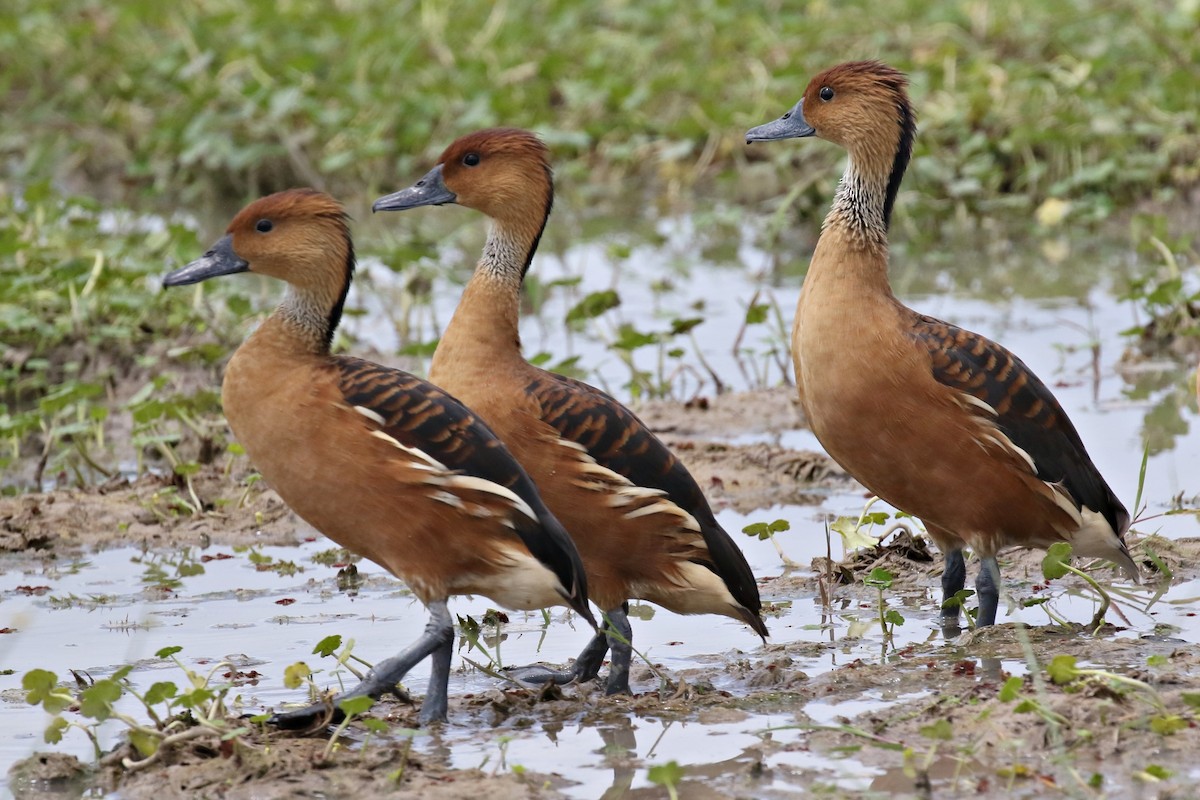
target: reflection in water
620 752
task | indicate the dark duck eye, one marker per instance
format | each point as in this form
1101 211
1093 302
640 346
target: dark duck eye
471 159
263 226
826 93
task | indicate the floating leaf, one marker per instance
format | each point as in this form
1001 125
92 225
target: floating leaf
1009 691
941 730
669 774
97 700
1167 724
144 742
295 675
852 535
757 313
38 683
55 730
593 305
1062 669
684 325
356 705
328 646
1054 565
201 695
879 578
159 692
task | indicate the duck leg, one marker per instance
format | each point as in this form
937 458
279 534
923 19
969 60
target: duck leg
954 577
587 663
438 641
987 590
615 634
620 641
437 699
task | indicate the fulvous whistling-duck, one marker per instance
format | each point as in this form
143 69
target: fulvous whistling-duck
384 463
642 525
938 421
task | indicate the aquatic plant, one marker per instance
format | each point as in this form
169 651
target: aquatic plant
175 714
232 99
767 530
668 776
880 580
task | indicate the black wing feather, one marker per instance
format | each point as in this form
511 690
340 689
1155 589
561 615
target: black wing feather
420 415
615 437
1026 411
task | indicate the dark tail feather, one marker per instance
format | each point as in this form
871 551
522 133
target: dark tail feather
550 543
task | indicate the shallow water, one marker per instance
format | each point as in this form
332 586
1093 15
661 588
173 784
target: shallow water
231 610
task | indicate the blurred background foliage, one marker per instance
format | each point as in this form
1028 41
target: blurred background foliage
223 100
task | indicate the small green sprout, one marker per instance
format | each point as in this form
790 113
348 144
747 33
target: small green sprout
1056 564
667 775
880 579
174 716
352 707
766 531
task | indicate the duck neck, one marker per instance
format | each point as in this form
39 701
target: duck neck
866 194
857 214
304 322
486 323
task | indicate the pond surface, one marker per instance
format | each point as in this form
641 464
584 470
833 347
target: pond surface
105 610
96 614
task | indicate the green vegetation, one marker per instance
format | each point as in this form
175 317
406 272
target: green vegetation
76 312
667 775
767 530
201 709
226 100
175 714
880 580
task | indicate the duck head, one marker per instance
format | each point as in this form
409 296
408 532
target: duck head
860 105
502 172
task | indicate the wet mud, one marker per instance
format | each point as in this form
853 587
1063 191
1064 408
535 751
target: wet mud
951 714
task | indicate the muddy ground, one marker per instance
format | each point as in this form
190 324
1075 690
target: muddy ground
952 734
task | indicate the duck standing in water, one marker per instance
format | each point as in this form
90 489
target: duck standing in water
938 421
384 463
641 523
